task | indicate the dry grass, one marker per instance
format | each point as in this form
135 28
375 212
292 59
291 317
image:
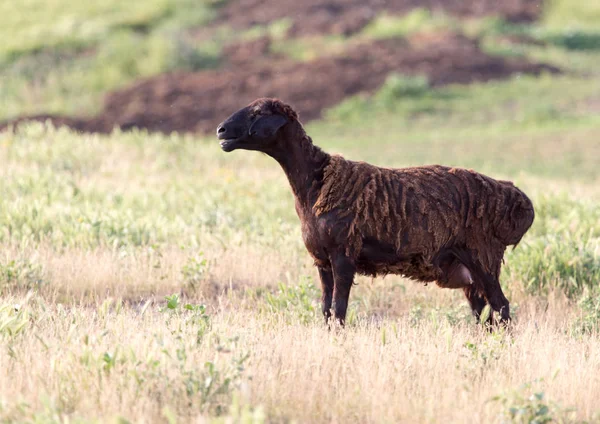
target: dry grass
100 344
76 275
111 360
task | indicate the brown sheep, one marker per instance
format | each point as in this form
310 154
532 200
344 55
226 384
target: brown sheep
429 223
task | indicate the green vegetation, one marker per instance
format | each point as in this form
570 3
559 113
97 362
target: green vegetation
39 25
62 56
588 321
63 192
563 14
296 303
419 20
526 406
551 131
13 320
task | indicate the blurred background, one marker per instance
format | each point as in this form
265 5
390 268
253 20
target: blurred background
182 65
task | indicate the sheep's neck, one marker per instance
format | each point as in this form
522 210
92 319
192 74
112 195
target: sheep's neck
303 164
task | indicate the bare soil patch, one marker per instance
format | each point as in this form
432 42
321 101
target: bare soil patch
197 102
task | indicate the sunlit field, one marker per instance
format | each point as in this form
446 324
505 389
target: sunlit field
155 278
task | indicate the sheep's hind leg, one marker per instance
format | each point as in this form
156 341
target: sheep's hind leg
326 276
343 277
477 302
493 291
497 300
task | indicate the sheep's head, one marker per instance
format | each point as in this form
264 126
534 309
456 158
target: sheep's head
257 126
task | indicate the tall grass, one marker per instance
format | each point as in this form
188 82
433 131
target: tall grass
63 56
163 362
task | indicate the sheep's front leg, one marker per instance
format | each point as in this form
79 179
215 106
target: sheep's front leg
343 277
326 276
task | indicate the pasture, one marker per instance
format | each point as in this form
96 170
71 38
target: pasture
153 278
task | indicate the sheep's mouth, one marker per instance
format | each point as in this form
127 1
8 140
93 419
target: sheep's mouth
228 144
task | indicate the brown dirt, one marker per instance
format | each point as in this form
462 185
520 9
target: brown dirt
349 16
197 102
250 53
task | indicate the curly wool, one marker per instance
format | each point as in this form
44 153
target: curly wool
422 210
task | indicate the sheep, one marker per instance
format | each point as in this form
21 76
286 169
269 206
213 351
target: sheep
431 223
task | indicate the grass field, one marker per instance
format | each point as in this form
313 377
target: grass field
154 278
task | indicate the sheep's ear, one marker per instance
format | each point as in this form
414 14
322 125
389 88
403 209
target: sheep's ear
267 126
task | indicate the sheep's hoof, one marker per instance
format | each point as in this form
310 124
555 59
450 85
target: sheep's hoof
339 323
506 325
503 325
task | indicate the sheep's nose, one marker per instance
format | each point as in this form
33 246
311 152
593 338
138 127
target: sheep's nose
220 129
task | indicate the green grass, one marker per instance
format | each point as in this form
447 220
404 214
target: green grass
418 20
38 25
566 14
63 190
62 56
550 131
45 83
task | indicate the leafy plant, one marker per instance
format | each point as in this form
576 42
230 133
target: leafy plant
20 275
212 386
296 303
398 86
487 350
186 316
528 406
240 412
588 321
109 360
195 270
575 40
451 315
172 302
13 320
218 384
567 261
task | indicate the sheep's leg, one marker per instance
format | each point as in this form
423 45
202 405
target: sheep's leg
497 300
343 277
493 291
494 294
326 276
477 302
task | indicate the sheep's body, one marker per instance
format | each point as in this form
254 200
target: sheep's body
419 213
430 223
